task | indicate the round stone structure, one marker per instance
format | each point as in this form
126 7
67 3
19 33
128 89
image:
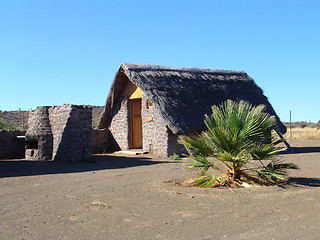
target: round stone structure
38 138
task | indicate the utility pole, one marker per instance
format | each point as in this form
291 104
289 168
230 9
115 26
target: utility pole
290 126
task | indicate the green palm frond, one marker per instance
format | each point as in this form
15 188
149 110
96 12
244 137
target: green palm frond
199 161
276 170
207 180
260 151
237 133
198 144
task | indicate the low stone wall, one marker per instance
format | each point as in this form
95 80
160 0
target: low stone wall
100 141
72 131
10 145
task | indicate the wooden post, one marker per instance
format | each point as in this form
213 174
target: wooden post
290 126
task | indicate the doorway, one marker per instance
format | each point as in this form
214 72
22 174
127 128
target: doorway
135 124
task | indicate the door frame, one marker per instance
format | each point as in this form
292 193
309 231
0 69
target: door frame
132 130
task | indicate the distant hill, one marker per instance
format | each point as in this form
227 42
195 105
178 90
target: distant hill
302 125
20 118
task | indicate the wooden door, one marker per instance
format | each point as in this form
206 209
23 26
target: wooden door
135 124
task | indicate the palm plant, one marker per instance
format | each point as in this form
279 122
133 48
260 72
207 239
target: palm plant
237 134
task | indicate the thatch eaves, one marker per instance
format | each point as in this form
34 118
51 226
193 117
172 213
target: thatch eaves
184 95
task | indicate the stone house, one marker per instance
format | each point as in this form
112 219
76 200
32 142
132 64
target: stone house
149 106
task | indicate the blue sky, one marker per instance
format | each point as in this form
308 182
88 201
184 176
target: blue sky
68 51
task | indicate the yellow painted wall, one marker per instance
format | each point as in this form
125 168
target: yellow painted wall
136 94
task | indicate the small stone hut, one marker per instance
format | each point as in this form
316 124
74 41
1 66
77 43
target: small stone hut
59 133
149 106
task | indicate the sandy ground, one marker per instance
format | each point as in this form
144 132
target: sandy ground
123 197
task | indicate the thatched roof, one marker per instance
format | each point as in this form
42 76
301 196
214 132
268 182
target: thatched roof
184 95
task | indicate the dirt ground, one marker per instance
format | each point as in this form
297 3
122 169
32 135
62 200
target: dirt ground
121 197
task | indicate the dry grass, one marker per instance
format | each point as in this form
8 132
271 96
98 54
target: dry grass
306 133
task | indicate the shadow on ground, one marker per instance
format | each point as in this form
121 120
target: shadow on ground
303 182
296 150
15 168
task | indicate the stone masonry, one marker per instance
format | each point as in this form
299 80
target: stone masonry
174 146
154 130
72 132
157 138
61 133
119 126
38 138
100 141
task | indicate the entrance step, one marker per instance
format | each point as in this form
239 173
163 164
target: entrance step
132 152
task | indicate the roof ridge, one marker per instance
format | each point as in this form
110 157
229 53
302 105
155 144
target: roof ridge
130 66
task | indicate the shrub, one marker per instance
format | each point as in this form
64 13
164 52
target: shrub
174 156
237 134
303 124
4 125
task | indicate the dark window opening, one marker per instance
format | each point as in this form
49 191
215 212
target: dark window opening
31 144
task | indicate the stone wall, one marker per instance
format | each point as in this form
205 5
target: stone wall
100 141
157 138
38 138
58 118
32 118
72 132
174 146
119 126
154 130
10 145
